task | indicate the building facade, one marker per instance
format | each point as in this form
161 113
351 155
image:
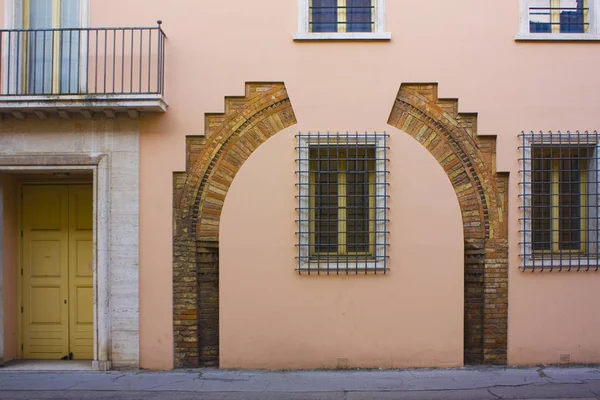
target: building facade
304 184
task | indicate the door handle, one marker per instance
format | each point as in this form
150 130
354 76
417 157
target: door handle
65 301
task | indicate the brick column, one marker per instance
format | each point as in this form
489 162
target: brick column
213 160
468 160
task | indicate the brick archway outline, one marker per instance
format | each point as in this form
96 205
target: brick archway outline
469 162
214 159
212 163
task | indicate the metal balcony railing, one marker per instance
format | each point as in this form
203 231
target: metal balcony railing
82 61
559 19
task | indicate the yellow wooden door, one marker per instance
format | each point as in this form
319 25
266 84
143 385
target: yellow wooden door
81 319
58 272
45 272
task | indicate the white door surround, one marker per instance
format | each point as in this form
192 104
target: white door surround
110 150
100 260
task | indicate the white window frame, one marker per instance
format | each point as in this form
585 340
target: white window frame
593 33
380 246
378 33
526 222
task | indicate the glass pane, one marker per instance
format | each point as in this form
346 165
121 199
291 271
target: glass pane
323 16
39 62
324 162
572 16
359 174
359 16
564 16
70 13
70 17
342 180
539 16
570 204
40 14
541 201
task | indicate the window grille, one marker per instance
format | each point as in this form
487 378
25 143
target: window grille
559 200
342 196
341 16
559 16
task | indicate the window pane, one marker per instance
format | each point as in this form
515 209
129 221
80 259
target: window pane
539 16
40 14
40 47
541 201
359 16
53 56
570 204
70 12
342 180
359 172
572 16
557 218
324 16
559 16
324 162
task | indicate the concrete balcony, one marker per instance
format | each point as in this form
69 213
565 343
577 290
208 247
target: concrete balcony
85 71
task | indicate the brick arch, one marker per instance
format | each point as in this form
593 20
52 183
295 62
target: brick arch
213 160
469 162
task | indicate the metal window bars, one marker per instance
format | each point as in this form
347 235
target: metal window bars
341 16
559 19
560 193
82 61
342 203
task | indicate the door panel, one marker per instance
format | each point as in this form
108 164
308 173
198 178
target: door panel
81 271
45 272
45 305
46 258
58 272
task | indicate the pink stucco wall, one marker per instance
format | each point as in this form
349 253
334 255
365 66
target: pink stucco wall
554 316
468 47
273 318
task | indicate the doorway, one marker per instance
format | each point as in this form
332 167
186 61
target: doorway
57 270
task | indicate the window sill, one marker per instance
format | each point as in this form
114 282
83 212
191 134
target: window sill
558 37
564 264
343 266
323 269
379 36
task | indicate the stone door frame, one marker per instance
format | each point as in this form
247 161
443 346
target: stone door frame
98 164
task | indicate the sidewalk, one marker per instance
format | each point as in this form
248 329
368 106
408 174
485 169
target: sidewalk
464 384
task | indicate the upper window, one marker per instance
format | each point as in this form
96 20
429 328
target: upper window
43 51
559 19
341 16
53 62
560 224
342 203
341 19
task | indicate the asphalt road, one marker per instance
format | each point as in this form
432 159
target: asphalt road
463 384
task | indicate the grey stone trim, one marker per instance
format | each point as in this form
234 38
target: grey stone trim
110 148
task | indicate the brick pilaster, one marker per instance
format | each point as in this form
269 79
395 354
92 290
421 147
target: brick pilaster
212 163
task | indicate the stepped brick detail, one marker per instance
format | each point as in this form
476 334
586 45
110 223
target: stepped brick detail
469 161
213 160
